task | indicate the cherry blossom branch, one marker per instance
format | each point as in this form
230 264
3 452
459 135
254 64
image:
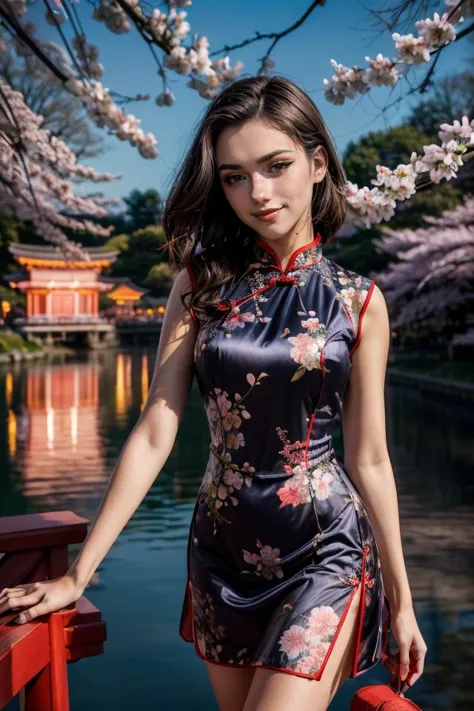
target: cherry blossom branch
434 35
36 168
15 26
371 206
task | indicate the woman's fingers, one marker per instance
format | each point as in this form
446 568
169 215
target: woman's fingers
404 661
18 603
418 654
42 608
21 597
11 592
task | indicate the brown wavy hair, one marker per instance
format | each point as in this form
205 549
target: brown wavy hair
202 230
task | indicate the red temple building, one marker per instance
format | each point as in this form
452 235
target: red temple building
62 296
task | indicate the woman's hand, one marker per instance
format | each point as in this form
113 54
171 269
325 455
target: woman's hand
411 645
35 599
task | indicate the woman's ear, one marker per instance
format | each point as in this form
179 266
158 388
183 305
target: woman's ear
320 163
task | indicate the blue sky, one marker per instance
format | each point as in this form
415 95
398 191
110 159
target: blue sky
341 30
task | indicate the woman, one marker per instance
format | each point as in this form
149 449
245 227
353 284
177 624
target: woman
287 546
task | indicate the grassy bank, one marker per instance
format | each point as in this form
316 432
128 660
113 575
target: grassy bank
11 341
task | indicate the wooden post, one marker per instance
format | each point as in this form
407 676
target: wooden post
34 656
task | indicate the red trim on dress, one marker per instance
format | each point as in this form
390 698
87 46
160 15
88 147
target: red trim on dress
361 610
294 254
339 627
186 624
310 427
361 315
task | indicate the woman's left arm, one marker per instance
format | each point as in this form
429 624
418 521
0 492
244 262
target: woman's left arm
367 461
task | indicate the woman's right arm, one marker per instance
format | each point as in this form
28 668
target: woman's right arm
143 456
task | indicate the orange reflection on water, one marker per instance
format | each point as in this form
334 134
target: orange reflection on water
8 389
123 385
60 450
11 429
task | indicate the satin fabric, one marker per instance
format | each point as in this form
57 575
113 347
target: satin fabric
280 541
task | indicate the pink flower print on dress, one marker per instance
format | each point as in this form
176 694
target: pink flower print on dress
292 452
293 641
343 278
354 298
308 347
215 421
235 319
223 402
235 440
322 622
312 324
311 663
232 419
296 489
321 480
266 564
233 479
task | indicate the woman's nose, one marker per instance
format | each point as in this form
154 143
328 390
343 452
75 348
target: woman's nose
260 190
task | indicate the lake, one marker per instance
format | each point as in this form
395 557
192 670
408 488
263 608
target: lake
64 423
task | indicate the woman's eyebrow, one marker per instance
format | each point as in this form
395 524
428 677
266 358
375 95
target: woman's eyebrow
262 159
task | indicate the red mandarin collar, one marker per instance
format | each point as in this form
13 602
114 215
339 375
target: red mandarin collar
303 256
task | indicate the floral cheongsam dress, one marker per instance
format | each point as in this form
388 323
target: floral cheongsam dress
280 542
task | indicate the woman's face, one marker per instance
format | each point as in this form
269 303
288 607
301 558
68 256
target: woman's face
267 170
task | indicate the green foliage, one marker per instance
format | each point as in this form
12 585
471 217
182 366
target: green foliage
11 341
119 242
159 279
13 296
149 237
143 209
9 233
143 251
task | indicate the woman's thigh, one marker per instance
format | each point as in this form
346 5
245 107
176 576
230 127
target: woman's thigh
231 685
278 691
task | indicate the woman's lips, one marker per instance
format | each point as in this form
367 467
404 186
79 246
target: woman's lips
269 216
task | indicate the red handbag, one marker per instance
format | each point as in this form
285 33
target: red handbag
383 697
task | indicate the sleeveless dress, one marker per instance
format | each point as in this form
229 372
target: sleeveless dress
280 542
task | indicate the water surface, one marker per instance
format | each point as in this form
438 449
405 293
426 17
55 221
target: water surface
63 426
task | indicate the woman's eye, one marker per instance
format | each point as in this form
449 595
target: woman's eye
279 166
228 179
284 165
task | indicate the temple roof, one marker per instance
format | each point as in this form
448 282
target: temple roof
125 281
49 255
123 287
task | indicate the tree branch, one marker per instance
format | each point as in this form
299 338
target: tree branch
19 31
276 36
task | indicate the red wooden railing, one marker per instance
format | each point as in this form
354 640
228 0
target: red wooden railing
34 656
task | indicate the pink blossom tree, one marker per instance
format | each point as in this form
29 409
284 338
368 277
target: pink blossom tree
430 286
